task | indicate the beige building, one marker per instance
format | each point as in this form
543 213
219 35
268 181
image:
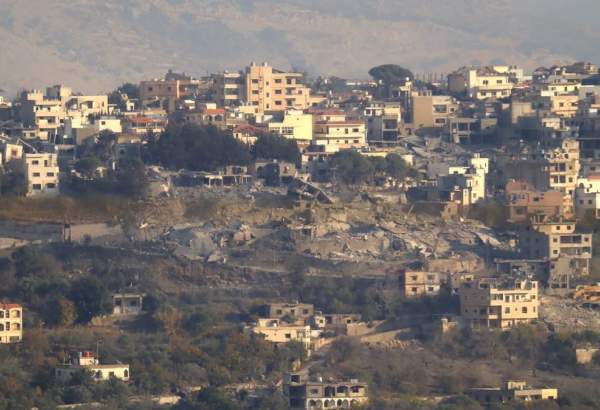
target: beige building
384 121
268 89
512 391
568 251
228 89
295 125
11 323
493 303
42 173
483 82
278 332
432 111
418 283
300 311
85 361
45 115
308 393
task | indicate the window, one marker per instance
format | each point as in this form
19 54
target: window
35 162
524 309
37 187
36 174
125 373
506 310
51 185
50 174
288 335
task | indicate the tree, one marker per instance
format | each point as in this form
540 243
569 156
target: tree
61 312
31 261
131 178
87 166
396 167
270 146
90 297
391 74
13 180
352 168
197 148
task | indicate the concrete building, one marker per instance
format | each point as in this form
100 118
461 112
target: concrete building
525 203
268 89
569 252
278 332
85 361
295 125
128 303
512 391
432 111
300 311
228 89
498 304
384 121
483 82
308 393
42 173
45 115
335 130
415 284
11 323
10 151
587 197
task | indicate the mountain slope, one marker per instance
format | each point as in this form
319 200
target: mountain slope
95 44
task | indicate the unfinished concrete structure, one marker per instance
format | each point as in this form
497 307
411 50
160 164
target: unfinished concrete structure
512 391
306 393
500 304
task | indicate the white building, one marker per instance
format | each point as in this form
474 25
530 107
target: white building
42 173
85 361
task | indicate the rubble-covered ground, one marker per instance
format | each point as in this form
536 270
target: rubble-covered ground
566 314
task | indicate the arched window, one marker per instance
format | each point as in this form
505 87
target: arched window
126 373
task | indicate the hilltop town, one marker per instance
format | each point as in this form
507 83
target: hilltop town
261 239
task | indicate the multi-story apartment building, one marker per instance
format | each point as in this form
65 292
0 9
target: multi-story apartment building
308 393
498 304
569 252
483 82
432 111
268 89
561 167
11 323
525 203
47 116
293 124
42 173
228 89
384 121
86 362
587 196
334 130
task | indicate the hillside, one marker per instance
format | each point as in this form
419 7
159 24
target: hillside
94 45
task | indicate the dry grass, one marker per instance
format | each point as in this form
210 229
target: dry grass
97 208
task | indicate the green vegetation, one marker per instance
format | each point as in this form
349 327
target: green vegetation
198 148
270 146
353 168
391 74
